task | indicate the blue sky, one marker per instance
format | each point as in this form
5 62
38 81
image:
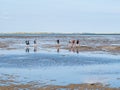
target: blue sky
65 16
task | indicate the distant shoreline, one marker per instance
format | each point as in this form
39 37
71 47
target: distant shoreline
48 33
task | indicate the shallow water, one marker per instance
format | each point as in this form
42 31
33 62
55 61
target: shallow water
48 67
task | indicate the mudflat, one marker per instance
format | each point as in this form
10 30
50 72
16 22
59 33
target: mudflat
106 43
93 65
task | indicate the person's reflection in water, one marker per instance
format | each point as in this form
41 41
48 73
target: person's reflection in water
58 49
69 49
77 50
35 49
73 49
27 50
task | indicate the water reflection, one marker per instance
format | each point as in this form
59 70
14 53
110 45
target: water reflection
58 49
35 49
27 49
71 49
74 50
77 50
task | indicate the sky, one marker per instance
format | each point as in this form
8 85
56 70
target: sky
60 16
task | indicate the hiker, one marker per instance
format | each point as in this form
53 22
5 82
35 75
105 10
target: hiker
70 44
27 43
58 41
35 43
77 43
73 43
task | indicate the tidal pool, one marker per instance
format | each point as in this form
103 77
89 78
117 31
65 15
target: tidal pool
48 67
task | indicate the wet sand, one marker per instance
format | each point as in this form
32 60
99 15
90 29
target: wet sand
109 44
94 86
109 49
36 86
3 45
106 43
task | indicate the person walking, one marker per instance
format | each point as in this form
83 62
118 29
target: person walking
35 43
58 41
27 43
77 43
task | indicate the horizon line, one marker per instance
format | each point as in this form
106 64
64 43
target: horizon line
53 33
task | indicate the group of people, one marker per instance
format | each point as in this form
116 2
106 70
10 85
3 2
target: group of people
27 42
72 43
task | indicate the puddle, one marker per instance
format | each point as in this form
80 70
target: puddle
52 68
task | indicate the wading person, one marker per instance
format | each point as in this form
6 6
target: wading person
70 44
73 43
35 43
77 43
58 42
27 43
